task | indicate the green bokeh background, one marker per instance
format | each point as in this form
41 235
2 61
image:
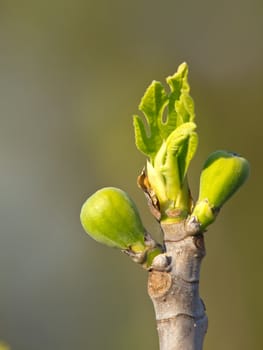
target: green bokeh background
72 74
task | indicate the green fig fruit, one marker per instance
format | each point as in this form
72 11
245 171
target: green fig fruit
110 217
222 175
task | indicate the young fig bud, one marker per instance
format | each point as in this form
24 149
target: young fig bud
222 175
110 217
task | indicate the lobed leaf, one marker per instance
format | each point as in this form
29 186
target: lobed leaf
150 136
170 141
152 105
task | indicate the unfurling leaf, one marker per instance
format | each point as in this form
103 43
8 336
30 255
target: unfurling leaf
180 109
169 140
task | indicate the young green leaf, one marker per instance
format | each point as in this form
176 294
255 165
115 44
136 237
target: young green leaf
171 140
152 105
178 157
187 153
167 175
181 105
178 82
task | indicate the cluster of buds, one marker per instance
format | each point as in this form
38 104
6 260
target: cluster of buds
169 142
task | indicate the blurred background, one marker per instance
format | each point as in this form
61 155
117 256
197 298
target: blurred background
72 74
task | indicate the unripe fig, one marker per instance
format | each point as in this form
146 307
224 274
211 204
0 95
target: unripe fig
110 217
222 175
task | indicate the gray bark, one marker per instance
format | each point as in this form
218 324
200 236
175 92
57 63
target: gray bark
173 286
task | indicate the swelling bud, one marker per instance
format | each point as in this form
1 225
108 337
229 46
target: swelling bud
222 175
